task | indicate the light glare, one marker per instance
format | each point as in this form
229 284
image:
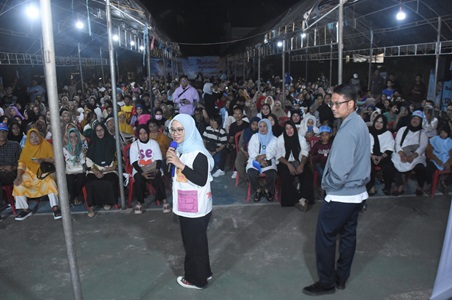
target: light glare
279 44
32 12
401 15
115 37
79 24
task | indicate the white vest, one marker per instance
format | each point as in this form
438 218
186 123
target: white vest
191 200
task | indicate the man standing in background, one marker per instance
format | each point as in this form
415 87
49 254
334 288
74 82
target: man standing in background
185 96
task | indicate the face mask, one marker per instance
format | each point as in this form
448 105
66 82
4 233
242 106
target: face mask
158 117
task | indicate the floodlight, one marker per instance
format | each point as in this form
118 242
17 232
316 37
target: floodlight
132 43
115 37
79 24
279 44
32 11
401 15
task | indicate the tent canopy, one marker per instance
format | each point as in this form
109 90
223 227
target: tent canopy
21 35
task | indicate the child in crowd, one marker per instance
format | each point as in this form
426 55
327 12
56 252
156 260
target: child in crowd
320 151
439 154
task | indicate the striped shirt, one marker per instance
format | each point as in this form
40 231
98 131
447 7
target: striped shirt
219 136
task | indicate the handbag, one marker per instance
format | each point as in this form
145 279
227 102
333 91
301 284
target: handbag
45 169
211 146
148 166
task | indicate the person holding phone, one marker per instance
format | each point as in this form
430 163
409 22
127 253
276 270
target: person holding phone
185 96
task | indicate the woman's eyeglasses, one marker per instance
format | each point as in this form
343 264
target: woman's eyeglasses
178 130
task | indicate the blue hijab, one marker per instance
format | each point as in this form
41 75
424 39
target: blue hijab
265 139
192 140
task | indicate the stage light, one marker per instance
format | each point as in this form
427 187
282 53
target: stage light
401 15
32 11
79 24
279 44
115 37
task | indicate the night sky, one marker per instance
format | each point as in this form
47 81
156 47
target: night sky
201 21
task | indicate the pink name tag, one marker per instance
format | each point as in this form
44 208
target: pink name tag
187 201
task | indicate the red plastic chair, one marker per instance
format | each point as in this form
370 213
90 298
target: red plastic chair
84 197
8 190
436 179
263 176
129 171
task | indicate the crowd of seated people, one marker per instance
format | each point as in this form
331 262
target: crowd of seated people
286 138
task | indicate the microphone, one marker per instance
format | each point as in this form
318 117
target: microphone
171 167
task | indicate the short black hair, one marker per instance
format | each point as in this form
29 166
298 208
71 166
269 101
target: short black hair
347 91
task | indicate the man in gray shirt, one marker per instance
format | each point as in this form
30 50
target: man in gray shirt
346 173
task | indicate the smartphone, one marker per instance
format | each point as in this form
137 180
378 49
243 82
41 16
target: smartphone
309 128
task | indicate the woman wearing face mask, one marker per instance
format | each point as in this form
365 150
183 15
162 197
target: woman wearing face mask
159 119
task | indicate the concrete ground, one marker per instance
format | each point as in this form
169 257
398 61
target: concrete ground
257 251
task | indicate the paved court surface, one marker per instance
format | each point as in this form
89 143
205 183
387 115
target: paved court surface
257 250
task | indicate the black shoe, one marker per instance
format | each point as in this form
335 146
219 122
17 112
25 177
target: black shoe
387 191
268 196
340 283
56 214
316 290
257 196
23 215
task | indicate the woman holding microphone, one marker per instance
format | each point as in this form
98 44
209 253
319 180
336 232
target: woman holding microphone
192 198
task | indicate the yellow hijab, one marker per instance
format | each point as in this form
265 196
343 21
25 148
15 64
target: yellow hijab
42 150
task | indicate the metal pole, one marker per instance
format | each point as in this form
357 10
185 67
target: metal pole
164 71
235 69
102 66
283 90
340 40
148 68
306 65
80 68
437 59
115 102
369 81
259 68
52 92
331 63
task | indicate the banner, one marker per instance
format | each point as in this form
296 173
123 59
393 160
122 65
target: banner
207 65
446 96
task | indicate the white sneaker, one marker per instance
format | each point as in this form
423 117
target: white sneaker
218 173
234 175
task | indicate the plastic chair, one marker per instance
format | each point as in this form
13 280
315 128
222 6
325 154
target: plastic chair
263 177
436 179
8 190
129 172
84 197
